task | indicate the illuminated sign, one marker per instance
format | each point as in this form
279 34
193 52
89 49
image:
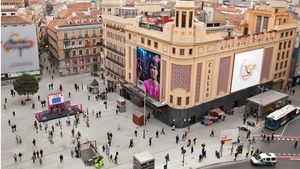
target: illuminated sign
55 98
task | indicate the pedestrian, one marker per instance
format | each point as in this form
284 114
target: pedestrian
89 97
194 140
150 141
296 144
272 136
69 94
20 156
167 158
5 100
116 158
33 106
40 160
177 139
103 148
192 149
72 153
41 152
131 143
33 142
61 157
37 154
39 98
212 133
235 155
189 142
33 159
157 135
293 91
204 153
268 139
15 157
135 133
52 128
61 134
117 111
173 127
252 151
14 113
162 131
4 106
9 122
244 120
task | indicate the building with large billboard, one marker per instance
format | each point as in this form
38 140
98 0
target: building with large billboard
19 47
188 69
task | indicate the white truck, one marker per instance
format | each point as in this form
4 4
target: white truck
264 159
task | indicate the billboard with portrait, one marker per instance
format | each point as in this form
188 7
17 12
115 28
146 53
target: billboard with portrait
247 69
148 72
19 49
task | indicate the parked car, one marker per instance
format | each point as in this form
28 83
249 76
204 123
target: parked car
245 128
263 159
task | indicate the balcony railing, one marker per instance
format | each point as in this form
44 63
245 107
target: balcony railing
115 51
66 38
115 72
114 61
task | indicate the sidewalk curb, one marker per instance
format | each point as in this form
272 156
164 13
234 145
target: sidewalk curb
225 162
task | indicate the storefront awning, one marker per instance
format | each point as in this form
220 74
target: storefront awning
267 97
141 93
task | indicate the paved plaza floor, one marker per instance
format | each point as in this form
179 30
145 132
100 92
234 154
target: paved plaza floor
109 121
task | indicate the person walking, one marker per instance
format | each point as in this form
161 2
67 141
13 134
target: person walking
14 113
212 133
116 157
61 158
150 141
16 157
177 139
135 133
192 149
41 161
194 140
131 143
41 152
244 120
33 142
296 144
157 135
200 157
162 131
5 100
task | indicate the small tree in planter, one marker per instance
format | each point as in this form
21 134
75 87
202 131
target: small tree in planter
26 85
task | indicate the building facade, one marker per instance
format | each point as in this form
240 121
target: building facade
18 3
188 70
75 44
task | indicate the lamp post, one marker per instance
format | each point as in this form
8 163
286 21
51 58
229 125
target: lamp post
145 95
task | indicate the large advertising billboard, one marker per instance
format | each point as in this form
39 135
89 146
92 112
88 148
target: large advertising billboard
247 69
19 49
148 72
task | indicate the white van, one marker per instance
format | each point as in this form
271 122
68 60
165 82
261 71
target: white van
264 159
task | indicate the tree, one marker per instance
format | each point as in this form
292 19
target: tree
26 84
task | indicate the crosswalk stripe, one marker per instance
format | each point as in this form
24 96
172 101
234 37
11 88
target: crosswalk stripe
287 139
289 154
283 154
294 154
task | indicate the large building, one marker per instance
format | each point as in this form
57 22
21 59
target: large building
188 69
75 42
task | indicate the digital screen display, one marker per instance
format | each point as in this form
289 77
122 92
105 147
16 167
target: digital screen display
148 72
56 100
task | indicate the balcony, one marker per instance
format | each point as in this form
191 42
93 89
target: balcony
114 61
66 38
112 71
86 35
115 51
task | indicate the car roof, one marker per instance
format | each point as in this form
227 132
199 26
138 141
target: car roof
264 155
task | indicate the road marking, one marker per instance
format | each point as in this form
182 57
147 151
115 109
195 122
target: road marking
283 154
295 158
287 139
288 124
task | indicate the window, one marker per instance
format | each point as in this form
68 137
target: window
94 50
289 44
94 32
285 64
3 14
179 101
173 50
80 42
287 54
67 54
74 53
190 19
94 41
142 40
190 51
155 44
129 36
80 34
276 10
291 33
181 51
66 44
149 42
284 45
66 35
187 101
286 34
284 20
129 74
283 73
86 33
282 55
80 52
278 56
171 99
275 76
177 18
276 67
73 34
258 24
265 23
73 43
282 34
280 44
279 75
281 64
279 21
183 19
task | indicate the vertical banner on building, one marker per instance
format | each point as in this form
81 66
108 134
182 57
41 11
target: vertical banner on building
19 49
